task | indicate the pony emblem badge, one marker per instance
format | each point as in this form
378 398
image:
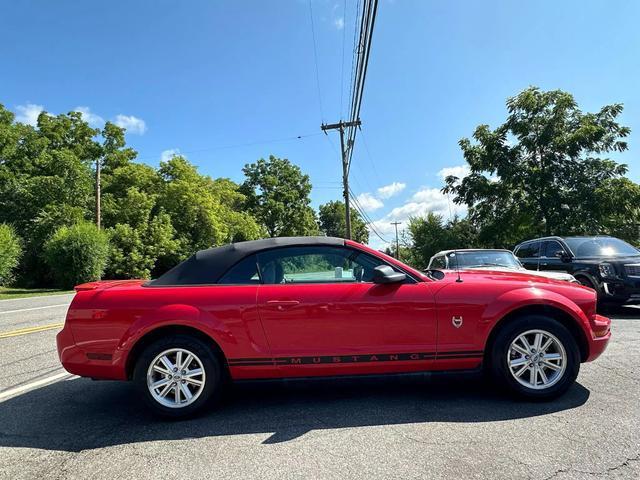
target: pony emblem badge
456 321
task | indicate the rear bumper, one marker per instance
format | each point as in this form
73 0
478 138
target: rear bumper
94 365
600 336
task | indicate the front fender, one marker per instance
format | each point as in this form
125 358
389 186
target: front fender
516 299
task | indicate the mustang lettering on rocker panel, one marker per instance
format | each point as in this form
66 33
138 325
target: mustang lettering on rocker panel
368 358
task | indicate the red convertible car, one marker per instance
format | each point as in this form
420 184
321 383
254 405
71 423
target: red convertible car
321 306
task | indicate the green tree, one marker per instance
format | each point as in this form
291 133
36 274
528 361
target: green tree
46 180
10 253
77 254
332 222
425 236
540 172
277 194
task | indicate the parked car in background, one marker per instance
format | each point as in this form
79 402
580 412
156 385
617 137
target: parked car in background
493 259
322 306
608 265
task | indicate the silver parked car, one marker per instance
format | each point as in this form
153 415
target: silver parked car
493 259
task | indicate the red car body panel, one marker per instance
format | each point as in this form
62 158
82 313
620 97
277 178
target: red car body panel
294 330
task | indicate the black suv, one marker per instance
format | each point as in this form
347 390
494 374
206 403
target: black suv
608 265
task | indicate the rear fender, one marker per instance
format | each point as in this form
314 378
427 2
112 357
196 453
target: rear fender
177 315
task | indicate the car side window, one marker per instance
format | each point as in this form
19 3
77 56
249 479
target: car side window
438 262
551 247
316 265
529 250
245 272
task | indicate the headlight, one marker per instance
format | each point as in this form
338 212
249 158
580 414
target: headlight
607 270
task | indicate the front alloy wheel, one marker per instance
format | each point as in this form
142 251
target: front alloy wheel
535 356
537 359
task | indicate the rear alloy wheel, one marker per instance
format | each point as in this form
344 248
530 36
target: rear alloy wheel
535 357
176 378
177 375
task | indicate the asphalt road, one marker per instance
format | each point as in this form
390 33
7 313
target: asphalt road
57 426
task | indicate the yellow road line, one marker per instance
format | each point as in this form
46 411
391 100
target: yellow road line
25 331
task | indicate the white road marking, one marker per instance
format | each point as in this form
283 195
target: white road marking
34 308
12 392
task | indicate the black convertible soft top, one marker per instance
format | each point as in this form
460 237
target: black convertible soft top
208 266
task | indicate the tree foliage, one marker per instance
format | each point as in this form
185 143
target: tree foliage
430 234
153 217
277 194
543 170
332 218
77 254
10 253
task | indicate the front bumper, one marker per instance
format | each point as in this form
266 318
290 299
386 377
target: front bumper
620 290
600 336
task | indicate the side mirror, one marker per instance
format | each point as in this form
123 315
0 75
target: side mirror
562 255
386 274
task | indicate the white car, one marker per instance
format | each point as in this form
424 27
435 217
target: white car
493 259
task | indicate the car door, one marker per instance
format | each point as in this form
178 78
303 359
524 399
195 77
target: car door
323 315
549 260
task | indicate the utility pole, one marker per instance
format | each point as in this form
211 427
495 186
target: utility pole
98 212
395 224
345 166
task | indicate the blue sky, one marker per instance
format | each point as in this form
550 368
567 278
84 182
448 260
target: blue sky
228 82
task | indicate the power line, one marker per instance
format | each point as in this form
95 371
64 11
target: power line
344 18
239 145
366 217
315 57
350 127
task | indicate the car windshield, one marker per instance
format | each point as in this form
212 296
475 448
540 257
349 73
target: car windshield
600 247
483 258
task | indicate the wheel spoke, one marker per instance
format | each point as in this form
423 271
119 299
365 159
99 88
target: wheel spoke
167 363
165 390
522 370
525 343
546 345
533 376
552 366
178 359
537 342
159 369
161 383
518 361
552 356
519 349
543 376
176 391
184 365
186 392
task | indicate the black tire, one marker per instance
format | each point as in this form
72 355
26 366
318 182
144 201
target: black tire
210 363
499 357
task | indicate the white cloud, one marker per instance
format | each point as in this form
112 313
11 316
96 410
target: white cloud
131 124
88 116
389 191
28 113
339 23
459 171
368 202
422 202
168 154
